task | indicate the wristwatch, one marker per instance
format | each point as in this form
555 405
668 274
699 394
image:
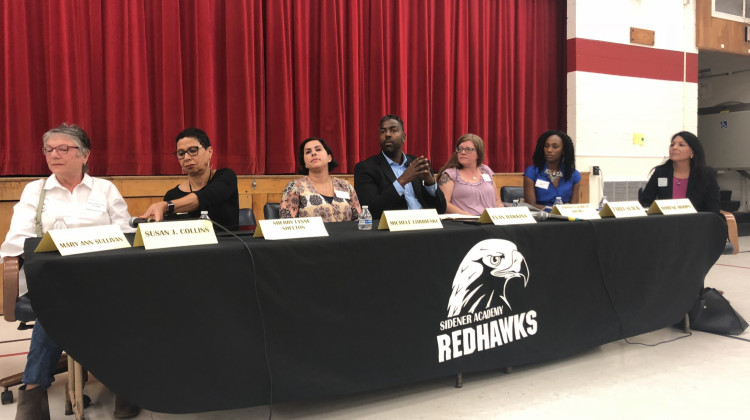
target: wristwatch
170 208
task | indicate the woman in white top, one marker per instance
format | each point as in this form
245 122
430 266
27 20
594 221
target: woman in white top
76 198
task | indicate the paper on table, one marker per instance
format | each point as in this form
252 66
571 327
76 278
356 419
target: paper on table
456 216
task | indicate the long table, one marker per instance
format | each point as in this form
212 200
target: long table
214 327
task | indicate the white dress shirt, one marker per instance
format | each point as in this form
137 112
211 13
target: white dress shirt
94 201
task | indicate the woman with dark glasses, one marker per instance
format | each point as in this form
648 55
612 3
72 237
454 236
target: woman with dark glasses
205 188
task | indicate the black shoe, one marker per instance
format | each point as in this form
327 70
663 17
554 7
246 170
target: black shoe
124 409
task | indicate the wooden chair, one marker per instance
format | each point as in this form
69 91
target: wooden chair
18 308
732 229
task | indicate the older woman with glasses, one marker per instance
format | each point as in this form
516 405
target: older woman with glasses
205 189
465 181
69 198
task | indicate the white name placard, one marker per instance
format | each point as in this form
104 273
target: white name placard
82 240
399 220
578 211
674 206
507 216
301 227
620 209
173 234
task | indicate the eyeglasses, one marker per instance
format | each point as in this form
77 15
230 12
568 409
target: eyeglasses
61 149
465 149
192 151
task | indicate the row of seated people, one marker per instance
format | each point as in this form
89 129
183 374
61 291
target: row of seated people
389 180
393 180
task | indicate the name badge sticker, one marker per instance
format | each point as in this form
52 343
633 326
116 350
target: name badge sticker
487 177
540 183
342 195
661 182
96 205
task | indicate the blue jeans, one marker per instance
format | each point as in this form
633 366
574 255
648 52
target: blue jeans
42 359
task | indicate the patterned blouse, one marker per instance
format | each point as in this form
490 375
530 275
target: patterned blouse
300 199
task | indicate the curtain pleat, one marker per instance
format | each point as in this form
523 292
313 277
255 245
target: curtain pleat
259 76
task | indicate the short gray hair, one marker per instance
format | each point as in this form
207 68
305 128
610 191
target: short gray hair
77 134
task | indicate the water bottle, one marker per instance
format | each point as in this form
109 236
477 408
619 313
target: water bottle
365 219
204 215
558 201
59 223
603 202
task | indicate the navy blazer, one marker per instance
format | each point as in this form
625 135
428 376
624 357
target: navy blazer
373 181
704 197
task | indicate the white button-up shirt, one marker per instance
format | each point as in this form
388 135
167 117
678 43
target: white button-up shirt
93 202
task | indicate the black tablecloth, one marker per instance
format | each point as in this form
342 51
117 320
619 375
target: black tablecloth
180 330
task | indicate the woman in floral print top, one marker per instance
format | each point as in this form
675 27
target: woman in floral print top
318 193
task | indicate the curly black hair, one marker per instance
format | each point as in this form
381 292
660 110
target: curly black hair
568 162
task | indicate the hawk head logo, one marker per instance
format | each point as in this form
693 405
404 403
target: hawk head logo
483 276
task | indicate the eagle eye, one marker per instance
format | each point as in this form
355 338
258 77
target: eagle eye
494 260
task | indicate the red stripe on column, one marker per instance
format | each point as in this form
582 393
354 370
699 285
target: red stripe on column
630 60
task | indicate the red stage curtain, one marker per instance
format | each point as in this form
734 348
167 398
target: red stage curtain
260 76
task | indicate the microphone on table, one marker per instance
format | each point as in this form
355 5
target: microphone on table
135 221
543 215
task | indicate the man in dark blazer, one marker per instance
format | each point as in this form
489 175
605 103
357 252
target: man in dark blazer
393 180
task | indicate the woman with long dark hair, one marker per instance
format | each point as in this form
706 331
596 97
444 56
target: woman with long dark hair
684 175
553 173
